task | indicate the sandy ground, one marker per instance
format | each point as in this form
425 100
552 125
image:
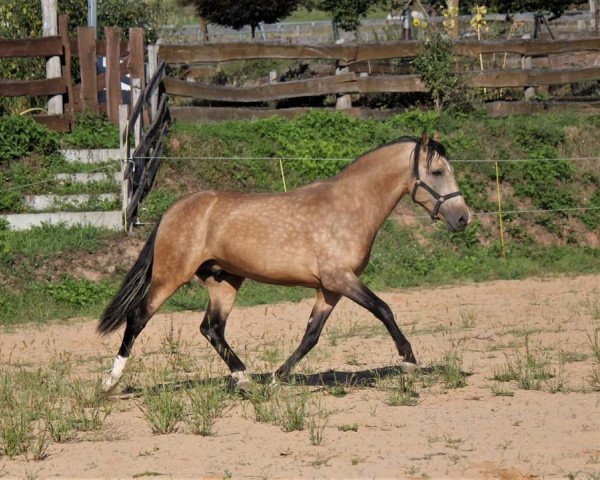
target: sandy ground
463 432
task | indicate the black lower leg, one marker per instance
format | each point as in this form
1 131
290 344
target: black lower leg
367 299
326 302
309 340
136 321
213 328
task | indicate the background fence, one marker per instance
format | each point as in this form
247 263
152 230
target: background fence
123 60
377 68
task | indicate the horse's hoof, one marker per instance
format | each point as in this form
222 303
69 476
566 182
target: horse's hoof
242 381
109 383
408 367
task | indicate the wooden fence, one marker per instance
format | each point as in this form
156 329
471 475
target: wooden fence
122 59
354 63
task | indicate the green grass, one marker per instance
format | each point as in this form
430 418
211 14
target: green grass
529 368
46 405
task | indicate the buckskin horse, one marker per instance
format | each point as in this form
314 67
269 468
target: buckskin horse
318 236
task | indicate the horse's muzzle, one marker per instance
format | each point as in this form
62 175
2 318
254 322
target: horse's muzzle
459 220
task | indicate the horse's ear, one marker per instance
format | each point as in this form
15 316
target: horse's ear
436 136
424 140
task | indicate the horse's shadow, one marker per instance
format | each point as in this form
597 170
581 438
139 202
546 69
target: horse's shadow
328 379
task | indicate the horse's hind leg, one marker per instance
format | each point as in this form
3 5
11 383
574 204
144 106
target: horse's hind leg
136 321
222 290
326 301
350 286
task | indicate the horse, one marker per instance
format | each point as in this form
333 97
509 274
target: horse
318 236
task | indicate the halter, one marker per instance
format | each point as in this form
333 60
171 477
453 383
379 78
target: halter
439 198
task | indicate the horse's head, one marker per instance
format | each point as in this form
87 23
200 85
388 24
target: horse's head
434 186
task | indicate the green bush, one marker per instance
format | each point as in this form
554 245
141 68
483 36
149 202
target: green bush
21 136
80 293
92 131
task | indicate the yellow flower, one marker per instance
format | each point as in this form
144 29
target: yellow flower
424 24
416 22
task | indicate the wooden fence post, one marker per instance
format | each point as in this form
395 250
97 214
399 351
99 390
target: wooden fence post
123 126
113 73
152 68
345 100
63 31
53 70
86 41
136 58
136 54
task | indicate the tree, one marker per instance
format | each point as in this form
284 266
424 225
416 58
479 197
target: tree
238 13
347 14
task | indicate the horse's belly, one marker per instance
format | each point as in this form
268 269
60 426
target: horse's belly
280 267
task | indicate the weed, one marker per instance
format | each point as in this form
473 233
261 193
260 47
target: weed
571 357
450 369
147 473
348 427
467 319
163 408
272 355
16 432
316 430
499 390
292 410
595 344
592 302
207 402
337 390
60 423
39 448
399 391
260 397
557 382
528 369
173 348
453 442
594 378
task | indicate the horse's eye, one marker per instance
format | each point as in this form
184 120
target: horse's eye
437 173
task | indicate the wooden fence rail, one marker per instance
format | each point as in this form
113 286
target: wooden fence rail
212 53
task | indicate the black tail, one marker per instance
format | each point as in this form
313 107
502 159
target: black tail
132 290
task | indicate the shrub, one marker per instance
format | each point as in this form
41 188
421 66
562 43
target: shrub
21 136
92 131
437 66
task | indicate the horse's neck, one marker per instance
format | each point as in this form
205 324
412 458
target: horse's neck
378 180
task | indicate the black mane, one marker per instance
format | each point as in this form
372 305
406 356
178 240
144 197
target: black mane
433 147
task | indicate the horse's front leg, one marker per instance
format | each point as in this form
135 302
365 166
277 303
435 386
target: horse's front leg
349 285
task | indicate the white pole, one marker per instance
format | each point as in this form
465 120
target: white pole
53 69
152 68
123 116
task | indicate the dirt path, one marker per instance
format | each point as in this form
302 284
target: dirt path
486 429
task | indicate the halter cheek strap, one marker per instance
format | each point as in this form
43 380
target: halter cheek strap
438 198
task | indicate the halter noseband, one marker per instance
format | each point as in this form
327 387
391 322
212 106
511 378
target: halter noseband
439 198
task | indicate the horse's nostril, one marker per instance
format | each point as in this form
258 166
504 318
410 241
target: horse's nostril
463 221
